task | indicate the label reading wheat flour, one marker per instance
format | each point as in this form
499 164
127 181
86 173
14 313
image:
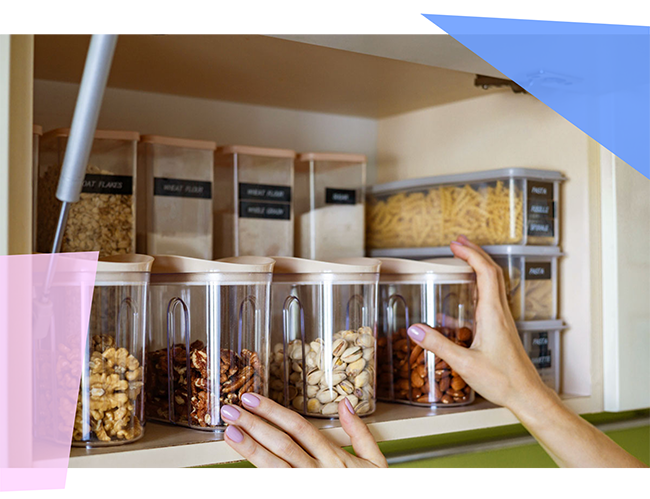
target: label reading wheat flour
541 209
175 187
265 201
340 196
107 184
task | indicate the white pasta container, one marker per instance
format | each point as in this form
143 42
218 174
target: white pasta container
509 206
531 276
542 342
36 135
329 205
253 212
175 197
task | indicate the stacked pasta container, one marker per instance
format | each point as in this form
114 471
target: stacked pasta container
513 213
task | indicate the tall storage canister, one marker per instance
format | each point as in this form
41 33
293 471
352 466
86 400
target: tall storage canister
253 213
37 131
330 205
324 335
208 341
441 295
542 342
175 196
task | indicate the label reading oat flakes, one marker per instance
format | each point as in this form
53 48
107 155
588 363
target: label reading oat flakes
540 354
340 196
107 184
175 187
541 209
538 271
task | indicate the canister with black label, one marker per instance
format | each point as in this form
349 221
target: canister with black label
542 343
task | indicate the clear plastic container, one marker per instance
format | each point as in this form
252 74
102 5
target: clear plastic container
175 196
324 335
441 294
37 132
253 213
510 206
542 342
104 217
110 407
330 205
209 329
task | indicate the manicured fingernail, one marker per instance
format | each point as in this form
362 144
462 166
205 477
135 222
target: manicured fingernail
250 400
457 243
230 413
417 333
348 404
234 434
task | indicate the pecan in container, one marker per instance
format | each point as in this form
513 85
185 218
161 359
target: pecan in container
208 338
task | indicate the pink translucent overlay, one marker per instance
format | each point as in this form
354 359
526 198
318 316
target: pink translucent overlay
45 303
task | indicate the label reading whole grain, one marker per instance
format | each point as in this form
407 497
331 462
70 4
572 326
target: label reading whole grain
538 271
540 354
175 187
107 184
263 192
340 196
541 209
265 201
273 211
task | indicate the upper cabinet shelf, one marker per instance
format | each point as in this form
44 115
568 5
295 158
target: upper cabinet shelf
360 75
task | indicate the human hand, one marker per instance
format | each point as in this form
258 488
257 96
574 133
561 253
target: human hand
295 443
496 365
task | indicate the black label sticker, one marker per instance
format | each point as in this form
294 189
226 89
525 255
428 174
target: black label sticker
261 192
182 188
273 211
538 270
540 353
340 196
107 184
541 209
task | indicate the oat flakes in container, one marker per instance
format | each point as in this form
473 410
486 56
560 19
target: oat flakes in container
110 407
104 217
330 205
175 196
253 212
324 335
440 294
208 339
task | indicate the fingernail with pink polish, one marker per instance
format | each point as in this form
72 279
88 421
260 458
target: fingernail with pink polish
348 404
234 434
417 333
230 413
250 400
457 243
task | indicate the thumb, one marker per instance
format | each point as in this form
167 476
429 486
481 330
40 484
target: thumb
363 442
430 339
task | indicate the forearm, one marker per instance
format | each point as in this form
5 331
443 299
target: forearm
569 440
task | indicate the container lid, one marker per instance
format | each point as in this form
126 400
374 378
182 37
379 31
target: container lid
99 134
205 145
257 151
170 264
463 178
445 251
344 271
332 156
125 263
37 130
440 270
541 326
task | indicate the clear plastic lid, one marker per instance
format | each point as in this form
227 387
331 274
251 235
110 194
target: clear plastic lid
123 269
556 325
436 253
443 270
347 270
236 270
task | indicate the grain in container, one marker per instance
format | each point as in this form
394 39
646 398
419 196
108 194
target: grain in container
324 335
330 205
440 294
104 217
253 213
110 407
542 342
174 215
208 341
509 206
37 132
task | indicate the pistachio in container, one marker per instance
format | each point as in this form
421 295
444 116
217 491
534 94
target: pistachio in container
324 318
440 294
110 407
208 340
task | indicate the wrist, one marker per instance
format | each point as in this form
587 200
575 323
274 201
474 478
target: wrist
533 401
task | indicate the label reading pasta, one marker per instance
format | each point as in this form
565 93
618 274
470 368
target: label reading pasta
541 209
540 354
538 271
340 196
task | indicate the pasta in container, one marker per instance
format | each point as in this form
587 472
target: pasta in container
496 207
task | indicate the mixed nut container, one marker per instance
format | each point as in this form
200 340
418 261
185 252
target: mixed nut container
174 215
324 335
104 217
253 213
330 205
110 407
208 340
442 295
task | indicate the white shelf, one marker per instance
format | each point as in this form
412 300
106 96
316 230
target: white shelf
165 446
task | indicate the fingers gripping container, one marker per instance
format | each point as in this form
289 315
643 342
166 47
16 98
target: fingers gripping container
330 205
110 407
542 343
208 341
253 213
175 198
324 335
441 295
509 206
